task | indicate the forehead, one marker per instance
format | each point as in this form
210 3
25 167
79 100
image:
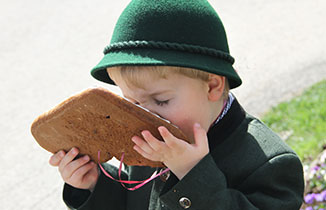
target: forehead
139 76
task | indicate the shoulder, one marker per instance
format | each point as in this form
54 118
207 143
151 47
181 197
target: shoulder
251 146
262 137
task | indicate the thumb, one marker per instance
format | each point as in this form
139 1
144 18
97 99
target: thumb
200 136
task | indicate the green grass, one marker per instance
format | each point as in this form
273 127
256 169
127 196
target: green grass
302 121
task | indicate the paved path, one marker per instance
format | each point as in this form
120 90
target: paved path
48 48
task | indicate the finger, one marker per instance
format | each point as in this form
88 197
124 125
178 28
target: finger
169 139
68 158
200 135
153 142
91 178
144 154
56 158
73 166
79 173
142 144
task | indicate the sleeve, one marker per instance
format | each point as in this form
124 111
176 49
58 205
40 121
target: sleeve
277 184
107 194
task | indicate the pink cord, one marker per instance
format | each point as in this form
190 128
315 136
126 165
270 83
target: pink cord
123 182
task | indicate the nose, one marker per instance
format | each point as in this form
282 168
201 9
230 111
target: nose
147 108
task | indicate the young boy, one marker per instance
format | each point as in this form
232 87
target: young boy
172 58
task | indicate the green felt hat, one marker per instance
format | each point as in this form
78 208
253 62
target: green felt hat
185 33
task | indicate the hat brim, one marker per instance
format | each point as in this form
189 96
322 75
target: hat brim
155 57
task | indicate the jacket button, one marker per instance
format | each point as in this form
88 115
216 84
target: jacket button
164 177
185 202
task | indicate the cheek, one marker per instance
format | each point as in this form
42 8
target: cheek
183 121
186 126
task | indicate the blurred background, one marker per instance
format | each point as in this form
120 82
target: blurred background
47 49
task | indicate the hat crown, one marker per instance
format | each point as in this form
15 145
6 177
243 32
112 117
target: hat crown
192 22
184 33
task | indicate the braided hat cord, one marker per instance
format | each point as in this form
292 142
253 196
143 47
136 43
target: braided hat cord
169 46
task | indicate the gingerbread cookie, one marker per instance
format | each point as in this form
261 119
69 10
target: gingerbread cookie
98 120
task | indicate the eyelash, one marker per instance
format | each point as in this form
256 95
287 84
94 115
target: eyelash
161 103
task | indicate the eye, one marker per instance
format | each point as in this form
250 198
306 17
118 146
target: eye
161 103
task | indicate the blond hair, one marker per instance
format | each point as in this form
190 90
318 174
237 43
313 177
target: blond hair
134 74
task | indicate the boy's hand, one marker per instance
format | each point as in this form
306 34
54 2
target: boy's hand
79 173
178 155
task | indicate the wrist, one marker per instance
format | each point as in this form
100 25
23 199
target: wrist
182 170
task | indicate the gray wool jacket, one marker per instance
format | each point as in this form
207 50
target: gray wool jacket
249 167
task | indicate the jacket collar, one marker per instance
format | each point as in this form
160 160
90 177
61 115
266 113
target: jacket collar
226 126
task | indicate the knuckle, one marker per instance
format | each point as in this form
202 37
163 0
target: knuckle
150 152
55 159
150 137
141 143
93 177
156 148
64 176
69 167
62 170
171 143
79 173
159 150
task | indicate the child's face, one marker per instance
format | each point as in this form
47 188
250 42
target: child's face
180 99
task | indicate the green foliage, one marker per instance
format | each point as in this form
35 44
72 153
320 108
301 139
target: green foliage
302 121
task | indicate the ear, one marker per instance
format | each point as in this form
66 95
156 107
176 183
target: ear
216 85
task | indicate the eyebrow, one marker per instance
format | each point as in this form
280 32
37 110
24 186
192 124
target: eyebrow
151 95
160 92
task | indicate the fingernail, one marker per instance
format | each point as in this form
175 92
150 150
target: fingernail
160 128
197 125
86 157
144 133
61 154
74 151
